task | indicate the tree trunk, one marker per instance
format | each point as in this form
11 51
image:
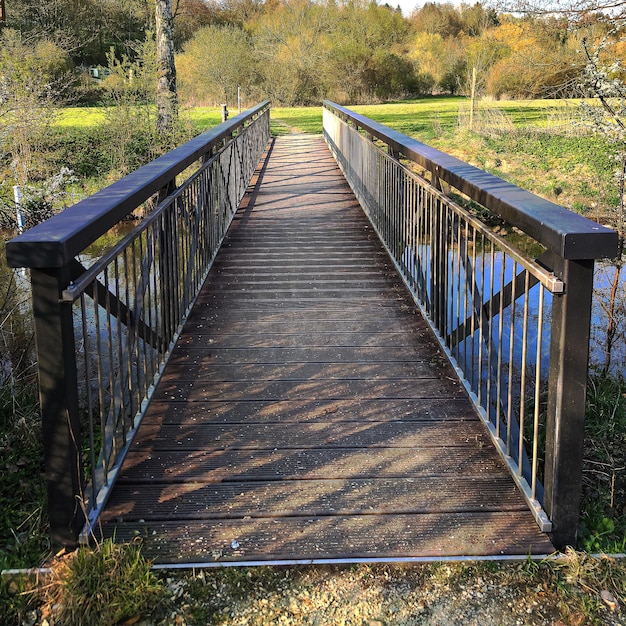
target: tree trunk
167 99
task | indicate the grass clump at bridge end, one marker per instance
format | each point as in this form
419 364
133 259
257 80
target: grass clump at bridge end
104 586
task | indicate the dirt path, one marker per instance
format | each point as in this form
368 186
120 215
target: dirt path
482 594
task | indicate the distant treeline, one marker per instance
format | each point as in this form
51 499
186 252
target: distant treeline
298 52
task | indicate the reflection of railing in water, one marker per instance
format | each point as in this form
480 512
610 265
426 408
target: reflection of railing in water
516 329
104 332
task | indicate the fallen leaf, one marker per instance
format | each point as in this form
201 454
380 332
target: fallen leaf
609 599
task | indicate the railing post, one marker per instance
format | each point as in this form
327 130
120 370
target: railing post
168 270
58 392
569 354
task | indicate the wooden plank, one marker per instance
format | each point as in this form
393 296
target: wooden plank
305 303
275 464
287 412
296 340
337 537
372 355
276 499
297 292
366 319
192 391
317 434
301 324
206 368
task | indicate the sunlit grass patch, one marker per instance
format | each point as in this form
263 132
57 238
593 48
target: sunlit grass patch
80 117
104 586
298 119
203 118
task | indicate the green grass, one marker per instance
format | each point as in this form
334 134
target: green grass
513 139
421 117
300 120
104 586
92 117
24 540
81 117
428 117
203 118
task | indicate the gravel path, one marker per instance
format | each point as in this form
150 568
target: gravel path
435 594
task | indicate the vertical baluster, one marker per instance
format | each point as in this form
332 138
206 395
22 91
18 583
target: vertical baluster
101 385
120 362
130 287
537 398
489 337
523 367
88 397
481 324
465 286
509 403
475 310
500 346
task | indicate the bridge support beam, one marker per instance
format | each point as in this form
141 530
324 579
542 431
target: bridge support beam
571 318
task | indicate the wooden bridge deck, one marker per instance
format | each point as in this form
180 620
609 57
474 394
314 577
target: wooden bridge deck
307 412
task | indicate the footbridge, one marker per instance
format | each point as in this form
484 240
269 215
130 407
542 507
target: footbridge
313 349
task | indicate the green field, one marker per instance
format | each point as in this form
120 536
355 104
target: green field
423 118
90 117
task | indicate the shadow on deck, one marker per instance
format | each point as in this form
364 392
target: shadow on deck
307 412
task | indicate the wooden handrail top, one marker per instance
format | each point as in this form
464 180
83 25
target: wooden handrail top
56 241
566 233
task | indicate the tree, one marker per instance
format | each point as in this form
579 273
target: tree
292 42
537 61
482 53
215 61
86 29
167 97
67 23
192 15
130 86
31 79
437 19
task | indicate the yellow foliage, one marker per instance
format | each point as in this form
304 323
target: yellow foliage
516 36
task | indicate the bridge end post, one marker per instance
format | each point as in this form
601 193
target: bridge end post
55 346
567 382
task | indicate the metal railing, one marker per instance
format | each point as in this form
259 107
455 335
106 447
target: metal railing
105 328
515 327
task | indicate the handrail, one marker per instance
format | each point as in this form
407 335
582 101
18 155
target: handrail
104 332
568 234
56 241
515 328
